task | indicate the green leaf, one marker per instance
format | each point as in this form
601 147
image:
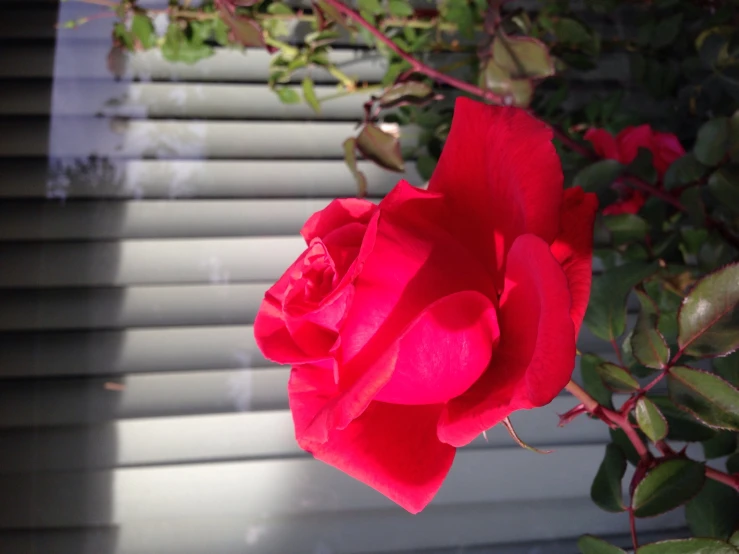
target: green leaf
712 141
372 6
309 94
606 488
177 48
592 382
714 512
681 425
724 185
667 486
123 35
409 92
425 166
722 444
606 314
522 57
461 14
732 464
734 539
380 147
688 546
617 378
647 344
707 397
683 171
597 176
588 544
626 227
496 79
666 31
643 165
350 158
143 29
400 8
571 32
287 95
650 419
624 443
709 318
728 368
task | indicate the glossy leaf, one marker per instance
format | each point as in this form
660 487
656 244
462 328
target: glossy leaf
728 368
309 94
409 92
624 443
707 397
647 344
592 382
721 444
496 79
380 147
683 171
712 141
588 544
598 175
688 546
709 318
606 314
616 378
350 158
522 57
650 419
606 488
714 512
667 486
724 186
681 426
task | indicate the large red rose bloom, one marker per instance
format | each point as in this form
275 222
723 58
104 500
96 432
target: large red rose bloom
414 325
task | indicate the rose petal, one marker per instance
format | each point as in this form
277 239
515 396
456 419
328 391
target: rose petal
391 448
444 351
536 353
603 143
573 248
631 139
338 213
494 191
633 203
666 149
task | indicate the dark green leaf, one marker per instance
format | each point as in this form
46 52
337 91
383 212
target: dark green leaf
681 425
707 397
722 444
692 200
460 13
592 382
425 166
143 29
309 94
598 176
647 343
650 419
617 378
688 546
606 314
667 30
734 539
626 227
522 57
571 32
606 488
287 95
350 158
400 8
714 512
380 147
728 368
712 141
588 544
732 464
684 171
709 318
624 443
411 92
667 486
724 185
372 6
643 166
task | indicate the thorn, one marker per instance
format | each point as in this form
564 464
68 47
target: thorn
507 424
485 435
568 416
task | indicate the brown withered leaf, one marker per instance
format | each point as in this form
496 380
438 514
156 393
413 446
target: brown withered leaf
380 147
416 93
350 157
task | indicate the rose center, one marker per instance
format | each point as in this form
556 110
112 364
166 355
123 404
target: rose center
312 281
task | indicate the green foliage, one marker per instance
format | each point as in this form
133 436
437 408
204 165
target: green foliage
650 419
616 378
667 486
707 397
714 512
647 343
606 488
588 544
688 546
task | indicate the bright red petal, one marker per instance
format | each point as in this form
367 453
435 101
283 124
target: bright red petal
501 177
391 448
338 213
631 139
603 143
573 248
536 354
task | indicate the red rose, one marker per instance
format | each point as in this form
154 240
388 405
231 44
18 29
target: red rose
415 325
624 147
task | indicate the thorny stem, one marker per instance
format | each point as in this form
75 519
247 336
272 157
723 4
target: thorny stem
614 418
632 526
415 64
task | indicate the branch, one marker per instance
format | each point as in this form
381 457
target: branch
415 64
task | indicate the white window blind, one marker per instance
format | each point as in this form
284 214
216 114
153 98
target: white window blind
141 221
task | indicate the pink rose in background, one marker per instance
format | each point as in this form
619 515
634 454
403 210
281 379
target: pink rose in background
624 147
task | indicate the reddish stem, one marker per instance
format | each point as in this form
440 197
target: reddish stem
617 350
417 66
632 526
729 480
